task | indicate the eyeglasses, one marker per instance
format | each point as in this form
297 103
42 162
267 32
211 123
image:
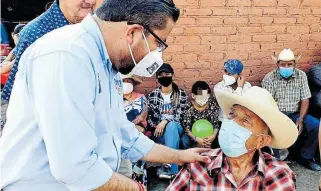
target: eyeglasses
162 44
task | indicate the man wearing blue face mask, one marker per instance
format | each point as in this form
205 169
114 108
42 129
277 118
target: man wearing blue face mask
252 122
289 87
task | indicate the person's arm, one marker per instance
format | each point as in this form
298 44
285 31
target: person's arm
120 183
143 116
66 119
10 57
304 107
6 66
268 85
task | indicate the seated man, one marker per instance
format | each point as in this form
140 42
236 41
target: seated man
253 122
166 105
289 87
202 106
233 81
315 85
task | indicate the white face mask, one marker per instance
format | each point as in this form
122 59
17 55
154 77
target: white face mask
127 88
201 100
149 65
228 80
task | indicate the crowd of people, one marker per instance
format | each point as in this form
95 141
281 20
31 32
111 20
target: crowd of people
78 123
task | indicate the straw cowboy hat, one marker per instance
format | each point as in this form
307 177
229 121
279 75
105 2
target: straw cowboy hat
258 100
136 80
286 55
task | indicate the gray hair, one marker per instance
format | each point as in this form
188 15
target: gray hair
148 13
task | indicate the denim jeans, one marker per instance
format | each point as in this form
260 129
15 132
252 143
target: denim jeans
171 138
312 126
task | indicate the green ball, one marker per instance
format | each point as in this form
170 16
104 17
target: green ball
202 128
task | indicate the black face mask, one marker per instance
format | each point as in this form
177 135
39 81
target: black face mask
165 81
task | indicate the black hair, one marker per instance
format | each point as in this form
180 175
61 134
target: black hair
148 13
18 28
200 85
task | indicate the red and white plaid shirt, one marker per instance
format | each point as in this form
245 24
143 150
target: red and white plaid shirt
268 174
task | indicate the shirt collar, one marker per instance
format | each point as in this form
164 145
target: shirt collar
55 12
219 158
91 26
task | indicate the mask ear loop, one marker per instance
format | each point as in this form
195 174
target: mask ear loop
146 41
131 54
256 136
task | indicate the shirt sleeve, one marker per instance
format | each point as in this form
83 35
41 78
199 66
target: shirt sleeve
268 85
186 120
62 90
315 75
305 90
182 105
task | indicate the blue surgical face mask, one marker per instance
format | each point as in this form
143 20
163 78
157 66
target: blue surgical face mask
232 138
286 72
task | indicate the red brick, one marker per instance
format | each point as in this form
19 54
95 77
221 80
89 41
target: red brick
236 55
243 47
278 11
218 47
264 38
177 30
298 29
198 12
209 21
198 64
170 39
182 57
311 3
288 37
296 45
275 28
188 73
299 11
213 39
186 2
315 28
250 29
178 65
239 3
210 56
261 20
251 11
197 48
316 11
291 3
241 38
224 30
211 3
315 37
272 46
186 21
197 30
309 20
167 57
222 12
265 3
284 20
314 45
260 55
187 40
236 21
175 48
253 63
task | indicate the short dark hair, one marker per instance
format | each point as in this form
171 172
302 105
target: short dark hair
200 85
148 13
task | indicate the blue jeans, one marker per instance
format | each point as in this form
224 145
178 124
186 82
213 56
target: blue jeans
171 138
312 126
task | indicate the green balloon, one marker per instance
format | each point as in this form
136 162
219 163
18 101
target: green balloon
202 128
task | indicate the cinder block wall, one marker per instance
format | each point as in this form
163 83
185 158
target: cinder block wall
212 31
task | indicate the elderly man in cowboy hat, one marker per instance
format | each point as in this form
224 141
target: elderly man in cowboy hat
289 87
253 122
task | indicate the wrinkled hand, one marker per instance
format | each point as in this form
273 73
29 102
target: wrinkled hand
241 81
299 124
209 141
193 155
160 129
202 142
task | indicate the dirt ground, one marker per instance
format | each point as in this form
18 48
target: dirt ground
307 180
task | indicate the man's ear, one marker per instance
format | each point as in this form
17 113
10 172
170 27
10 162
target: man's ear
263 140
132 32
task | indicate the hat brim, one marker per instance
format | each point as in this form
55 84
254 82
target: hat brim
284 131
276 60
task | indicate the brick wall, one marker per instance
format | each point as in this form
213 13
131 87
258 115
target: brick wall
212 31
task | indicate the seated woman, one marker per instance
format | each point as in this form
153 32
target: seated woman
136 111
202 106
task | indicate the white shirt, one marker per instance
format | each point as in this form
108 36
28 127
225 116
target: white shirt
167 107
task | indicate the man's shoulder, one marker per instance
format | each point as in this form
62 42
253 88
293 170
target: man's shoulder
300 73
154 92
219 84
274 165
271 75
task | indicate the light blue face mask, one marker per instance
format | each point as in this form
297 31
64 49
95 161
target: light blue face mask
286 72
232 138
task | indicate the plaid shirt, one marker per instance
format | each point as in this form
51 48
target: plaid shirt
287 93
155 102
268 174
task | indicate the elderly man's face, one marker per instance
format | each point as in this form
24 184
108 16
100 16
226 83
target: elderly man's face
249 120
76 10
